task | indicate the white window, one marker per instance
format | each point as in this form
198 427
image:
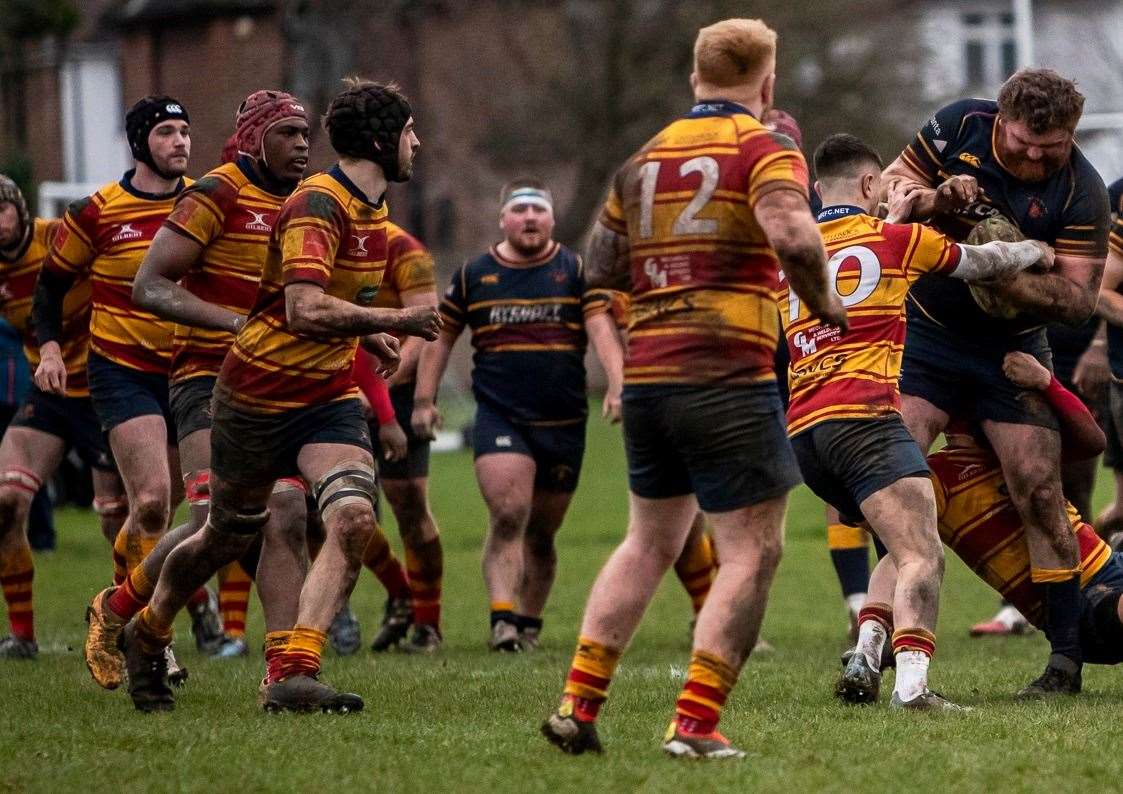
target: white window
990 50
93 134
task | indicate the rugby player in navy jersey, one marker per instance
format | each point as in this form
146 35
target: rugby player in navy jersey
1110 310
1016 158
529 314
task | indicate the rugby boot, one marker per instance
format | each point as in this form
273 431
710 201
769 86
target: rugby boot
104 660
395 624
505 638
1061 677
426 638
13 647
306 693
570 734
680 744
928 701
888 660
859 683
996 628
177 673
345 633
206 624
231 648
530 638
148 673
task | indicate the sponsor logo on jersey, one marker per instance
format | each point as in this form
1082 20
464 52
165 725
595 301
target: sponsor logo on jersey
518 314
806 346
359 246
257 222
127 232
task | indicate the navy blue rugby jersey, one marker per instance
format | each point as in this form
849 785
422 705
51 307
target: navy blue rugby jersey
1115 242
527 324
1069 210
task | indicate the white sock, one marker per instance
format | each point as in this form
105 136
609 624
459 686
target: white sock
1009 616
855 602
871 639
912 674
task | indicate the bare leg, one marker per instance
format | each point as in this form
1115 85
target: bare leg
507 484
140 448
540 557
749 543
284 560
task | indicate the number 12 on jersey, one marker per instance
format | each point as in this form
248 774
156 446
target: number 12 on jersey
687 222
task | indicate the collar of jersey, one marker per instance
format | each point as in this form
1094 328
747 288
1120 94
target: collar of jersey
716 107
838 211
245 165
127 185
336 173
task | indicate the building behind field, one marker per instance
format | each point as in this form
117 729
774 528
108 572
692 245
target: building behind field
561 90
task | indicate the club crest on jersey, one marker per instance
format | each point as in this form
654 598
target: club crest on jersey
1037 208
127 232
970 159
257 222
359 246
365 296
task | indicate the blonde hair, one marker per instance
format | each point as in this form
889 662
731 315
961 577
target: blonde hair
733 52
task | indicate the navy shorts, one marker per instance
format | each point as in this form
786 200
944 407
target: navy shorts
964 379
254 450
557 450
70 418
845 461
727 445
416 462
1101 633
121 393
191 405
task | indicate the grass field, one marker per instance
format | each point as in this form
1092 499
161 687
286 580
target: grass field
467 720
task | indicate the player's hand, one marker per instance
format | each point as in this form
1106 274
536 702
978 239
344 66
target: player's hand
1026 371
833 313
1048 256
426 420
423 321
1093 372
612 407
393 440
902 201
956 193
50 375
387 349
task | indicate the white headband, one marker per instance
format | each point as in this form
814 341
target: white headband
528 195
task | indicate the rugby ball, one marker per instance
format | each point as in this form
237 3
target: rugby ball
987 297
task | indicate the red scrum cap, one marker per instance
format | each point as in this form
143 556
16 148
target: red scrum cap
260 112
783 122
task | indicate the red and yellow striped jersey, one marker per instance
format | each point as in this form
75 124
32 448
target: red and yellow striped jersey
979 522
703 274
409 268
872 265
231 215
17 291
1115 236
327 234
105 237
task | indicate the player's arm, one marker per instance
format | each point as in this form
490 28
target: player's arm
310 310
1001 260
607 259
70 257
1110 306
1081 436
600 327
786 220
426 418
169 258
1067 294
412 346
1093 370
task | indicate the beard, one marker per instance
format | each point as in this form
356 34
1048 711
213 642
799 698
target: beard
1034 170
528 248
